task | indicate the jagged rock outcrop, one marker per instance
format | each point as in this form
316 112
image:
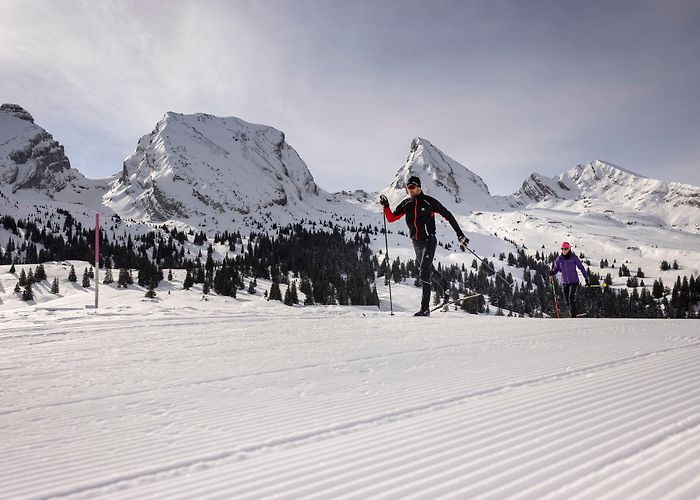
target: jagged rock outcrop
30 158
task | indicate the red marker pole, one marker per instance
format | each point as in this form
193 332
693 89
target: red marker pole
97 258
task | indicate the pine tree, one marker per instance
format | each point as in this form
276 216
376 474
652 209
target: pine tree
40 273
123 278
170 275
288 298
275 292
22 278
18 289
189 281
251 287
86 279
54 287
28 294
109 279
294 294
12 268
71 275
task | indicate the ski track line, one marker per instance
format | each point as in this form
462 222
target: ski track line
485 483
276 371
568 373
220 379
226 379
261 373
430 453
647 353
660 471
539 485
322 457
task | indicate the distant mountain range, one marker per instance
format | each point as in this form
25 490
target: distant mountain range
216 173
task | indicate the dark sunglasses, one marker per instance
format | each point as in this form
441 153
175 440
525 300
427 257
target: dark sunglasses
411 186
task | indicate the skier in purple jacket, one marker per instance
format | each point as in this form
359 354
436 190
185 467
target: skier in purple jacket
567 263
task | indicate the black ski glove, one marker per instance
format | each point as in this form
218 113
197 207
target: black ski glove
384 201
463 242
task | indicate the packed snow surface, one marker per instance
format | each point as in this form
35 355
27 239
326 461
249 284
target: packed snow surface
243 398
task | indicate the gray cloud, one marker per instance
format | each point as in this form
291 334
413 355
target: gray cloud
505 88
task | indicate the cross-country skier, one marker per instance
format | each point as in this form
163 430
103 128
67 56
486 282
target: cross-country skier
567 263
420 210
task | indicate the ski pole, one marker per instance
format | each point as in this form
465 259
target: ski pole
489 267
388 263
554 294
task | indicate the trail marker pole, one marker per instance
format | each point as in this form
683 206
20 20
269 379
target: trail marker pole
97 259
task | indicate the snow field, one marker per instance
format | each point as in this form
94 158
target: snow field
255 400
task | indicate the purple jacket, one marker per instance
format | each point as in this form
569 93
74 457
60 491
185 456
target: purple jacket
567 266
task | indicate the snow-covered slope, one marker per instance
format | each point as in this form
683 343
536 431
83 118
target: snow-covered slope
442 177
34 167
600 186
243 398
198 167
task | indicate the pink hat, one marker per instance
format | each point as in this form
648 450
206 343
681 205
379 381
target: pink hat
565 245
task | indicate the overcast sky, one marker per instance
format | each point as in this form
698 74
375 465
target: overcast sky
506 88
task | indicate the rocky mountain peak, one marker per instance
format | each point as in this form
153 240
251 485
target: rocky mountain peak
17 111
442 177
199 165
30 158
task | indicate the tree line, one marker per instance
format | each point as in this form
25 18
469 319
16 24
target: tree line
330 264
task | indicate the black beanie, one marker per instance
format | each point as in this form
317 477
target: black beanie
413 180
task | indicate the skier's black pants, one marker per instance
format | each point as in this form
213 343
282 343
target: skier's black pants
425 252
570 297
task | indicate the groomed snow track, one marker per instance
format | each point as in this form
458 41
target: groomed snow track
328 403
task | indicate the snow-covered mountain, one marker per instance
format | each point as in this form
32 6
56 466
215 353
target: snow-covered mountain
602 186
449 181
212 173
34 166
198 167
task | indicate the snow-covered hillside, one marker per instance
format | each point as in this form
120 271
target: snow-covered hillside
241 398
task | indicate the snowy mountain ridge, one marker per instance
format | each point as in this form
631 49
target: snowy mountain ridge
603 185
209 173
192 167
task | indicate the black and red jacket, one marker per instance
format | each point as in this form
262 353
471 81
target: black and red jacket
420 216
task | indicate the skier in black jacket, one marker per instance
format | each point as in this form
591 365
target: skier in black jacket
420 210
